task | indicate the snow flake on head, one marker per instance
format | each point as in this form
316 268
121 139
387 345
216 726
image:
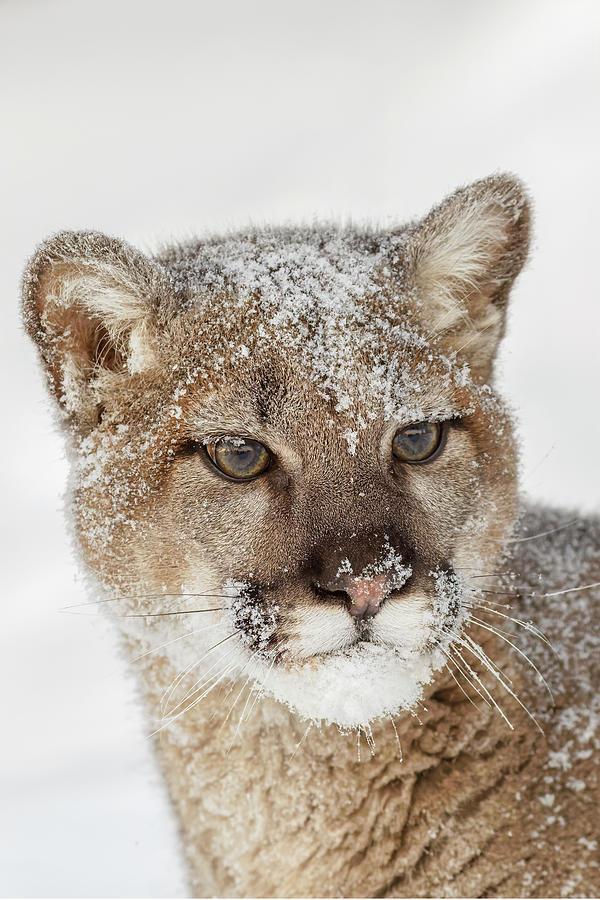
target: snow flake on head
326 299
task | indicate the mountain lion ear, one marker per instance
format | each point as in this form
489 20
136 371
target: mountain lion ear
463 259
93 305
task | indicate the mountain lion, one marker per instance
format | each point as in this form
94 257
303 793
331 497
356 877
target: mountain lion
370 670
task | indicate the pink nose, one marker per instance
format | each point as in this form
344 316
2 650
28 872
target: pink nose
366 594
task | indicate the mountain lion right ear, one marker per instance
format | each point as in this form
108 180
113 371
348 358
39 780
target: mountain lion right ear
93 305
463 259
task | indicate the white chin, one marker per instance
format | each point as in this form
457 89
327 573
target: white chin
353 687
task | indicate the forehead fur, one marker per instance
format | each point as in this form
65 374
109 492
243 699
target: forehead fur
332 304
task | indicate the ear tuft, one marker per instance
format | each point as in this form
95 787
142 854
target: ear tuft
463 259
92 304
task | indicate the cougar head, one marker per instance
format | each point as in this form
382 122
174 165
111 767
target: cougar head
291 430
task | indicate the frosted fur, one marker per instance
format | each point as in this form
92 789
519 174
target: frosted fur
311 292
385 685
342 703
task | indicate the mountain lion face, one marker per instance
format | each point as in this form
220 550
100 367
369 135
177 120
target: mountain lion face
291 432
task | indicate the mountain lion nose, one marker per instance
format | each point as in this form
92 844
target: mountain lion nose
365 594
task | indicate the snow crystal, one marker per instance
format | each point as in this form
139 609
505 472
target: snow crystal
327 296
352 688
351 438
390 564
255 622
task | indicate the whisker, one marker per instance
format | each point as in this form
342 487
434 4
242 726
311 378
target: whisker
498 632
459 667
148 597
236 701
533 537
204 680
527 626
474 337
400 757
199 684
487 692
179 612
165 699
246 685
491 602
583 587
300 742
262 687
239 725
535 596
195 702
459 685
532 472
489 574
165 644
477 651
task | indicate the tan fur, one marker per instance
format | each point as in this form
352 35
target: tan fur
320 343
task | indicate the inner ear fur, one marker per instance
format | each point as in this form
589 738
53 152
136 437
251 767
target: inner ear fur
93 305
463 259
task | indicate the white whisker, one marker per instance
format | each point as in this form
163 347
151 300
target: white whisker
300 742
200 683
528 626
533 537
477 651
498 632
391 718
486 691
582 587
168 643
261 689
195 702
177 680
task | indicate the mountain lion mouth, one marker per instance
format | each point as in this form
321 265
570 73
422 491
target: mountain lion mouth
287 631
329 666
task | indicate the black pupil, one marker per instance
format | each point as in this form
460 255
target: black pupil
417 441
240 460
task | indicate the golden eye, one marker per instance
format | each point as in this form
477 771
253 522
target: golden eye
239 458
417 443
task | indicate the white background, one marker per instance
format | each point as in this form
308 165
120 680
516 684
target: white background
156 120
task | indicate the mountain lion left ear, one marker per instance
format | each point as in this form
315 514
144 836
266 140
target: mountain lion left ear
463 259
95 307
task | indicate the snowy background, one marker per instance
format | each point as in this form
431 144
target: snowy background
156 120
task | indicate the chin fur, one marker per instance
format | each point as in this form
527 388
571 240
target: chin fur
351 687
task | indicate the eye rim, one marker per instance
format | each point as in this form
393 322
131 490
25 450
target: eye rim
209 448
439 446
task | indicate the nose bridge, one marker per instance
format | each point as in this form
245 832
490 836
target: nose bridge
348 516
346 489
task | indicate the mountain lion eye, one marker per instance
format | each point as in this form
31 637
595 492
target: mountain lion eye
416 443
240 458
